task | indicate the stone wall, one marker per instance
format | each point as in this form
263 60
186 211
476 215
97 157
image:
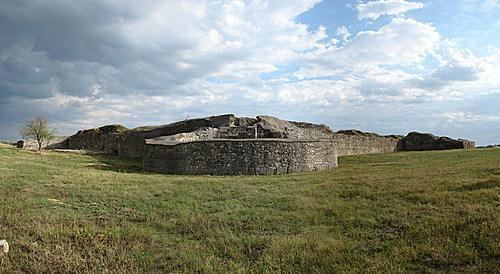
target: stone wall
239 132
103 139
197 135
234 157
130 142
227 144
353 142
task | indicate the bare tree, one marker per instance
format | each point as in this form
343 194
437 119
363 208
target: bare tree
38 129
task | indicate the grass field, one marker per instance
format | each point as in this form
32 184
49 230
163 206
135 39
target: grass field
401 212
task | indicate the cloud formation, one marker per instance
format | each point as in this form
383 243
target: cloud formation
151 48
374 9
86 64
470 117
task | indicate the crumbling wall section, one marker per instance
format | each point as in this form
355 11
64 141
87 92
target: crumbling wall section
130 142
271 127
103 139
416 141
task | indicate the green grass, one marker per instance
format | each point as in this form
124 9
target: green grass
402 212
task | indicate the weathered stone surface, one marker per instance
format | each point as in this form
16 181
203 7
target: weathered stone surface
235 157
355 142
230 145
197 135
130 142
356 132
238 132
416 141
97 139
271 127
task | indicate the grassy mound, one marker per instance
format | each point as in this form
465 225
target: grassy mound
5 145
401 212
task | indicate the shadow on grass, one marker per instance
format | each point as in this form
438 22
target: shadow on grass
116 163
493 171
491 183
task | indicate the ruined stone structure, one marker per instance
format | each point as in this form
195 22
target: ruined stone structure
416 141
217 145
131 142
240 156
229 145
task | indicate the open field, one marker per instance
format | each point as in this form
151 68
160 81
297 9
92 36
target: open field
401 212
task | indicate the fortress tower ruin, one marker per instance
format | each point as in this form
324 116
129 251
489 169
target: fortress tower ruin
230 145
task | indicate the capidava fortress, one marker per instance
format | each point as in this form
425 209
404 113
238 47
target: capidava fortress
230 145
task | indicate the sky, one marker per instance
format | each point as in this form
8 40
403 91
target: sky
386 66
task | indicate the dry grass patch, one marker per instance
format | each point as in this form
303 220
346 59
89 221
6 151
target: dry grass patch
402 212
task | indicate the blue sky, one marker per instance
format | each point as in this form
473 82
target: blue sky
388 66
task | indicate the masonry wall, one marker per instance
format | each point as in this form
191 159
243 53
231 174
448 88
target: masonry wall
234 157
132 145
365 144
94 142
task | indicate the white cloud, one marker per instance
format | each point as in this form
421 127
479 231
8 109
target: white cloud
467 117
152 63
343 32
152 47
374 9
391 64
490 5
402 42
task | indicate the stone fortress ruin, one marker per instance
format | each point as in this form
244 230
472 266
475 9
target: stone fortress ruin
230 145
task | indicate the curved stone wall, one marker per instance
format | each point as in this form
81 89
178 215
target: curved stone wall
241 156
